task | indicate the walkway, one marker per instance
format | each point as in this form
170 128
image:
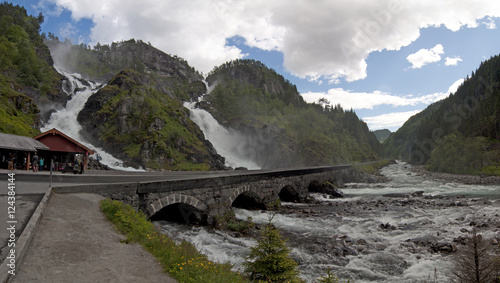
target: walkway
75 243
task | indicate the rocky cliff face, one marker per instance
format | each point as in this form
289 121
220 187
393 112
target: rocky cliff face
135 118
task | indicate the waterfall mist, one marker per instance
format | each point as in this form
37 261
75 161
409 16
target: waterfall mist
228 143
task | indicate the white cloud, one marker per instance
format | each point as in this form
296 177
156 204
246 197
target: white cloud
369 100
453 88
391 121
452 61
490 23
329 39
425 56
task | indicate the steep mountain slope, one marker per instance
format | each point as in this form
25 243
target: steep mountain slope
281 129
28 82
459 134
133 118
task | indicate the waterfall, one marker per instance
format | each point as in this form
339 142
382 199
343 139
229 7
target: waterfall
229 143
65 119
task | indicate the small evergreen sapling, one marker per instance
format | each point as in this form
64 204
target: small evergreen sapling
270 260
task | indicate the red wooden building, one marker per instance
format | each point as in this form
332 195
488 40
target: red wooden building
63 149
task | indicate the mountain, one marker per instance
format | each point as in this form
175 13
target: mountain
102 62
133 118
28 81
460 134
382 135
281 129
138 113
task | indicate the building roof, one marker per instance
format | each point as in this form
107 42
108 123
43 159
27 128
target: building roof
21 143
58 141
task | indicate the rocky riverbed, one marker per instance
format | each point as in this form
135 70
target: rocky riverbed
463 179
404 230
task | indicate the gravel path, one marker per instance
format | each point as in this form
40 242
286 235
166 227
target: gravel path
75 243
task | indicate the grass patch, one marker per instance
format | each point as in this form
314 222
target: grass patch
372 167
181 261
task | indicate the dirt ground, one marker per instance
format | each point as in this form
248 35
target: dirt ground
75 243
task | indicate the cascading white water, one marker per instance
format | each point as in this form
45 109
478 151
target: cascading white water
376 254
228 142
65 119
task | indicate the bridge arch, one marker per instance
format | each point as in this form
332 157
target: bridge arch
249 197
159 204
289 193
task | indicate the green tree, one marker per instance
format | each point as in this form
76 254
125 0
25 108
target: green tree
270 260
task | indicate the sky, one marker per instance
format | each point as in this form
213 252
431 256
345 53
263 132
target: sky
386 59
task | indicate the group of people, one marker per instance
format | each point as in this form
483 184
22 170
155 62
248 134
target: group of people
37 163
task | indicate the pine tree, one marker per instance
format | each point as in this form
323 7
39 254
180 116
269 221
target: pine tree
270 260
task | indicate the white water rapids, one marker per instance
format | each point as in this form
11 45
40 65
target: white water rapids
371 253
65 119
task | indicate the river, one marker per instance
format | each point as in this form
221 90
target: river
401 231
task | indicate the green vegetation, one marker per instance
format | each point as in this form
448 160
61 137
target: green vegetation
24 57
228 221
25 69
460 134
18 113
250 97
382 135
372 167
181 261
329 277
464 155
270 260
145 124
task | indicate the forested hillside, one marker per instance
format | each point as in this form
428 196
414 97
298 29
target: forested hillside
27 78
459 134
287 131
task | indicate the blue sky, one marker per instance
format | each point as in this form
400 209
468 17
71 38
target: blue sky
385 59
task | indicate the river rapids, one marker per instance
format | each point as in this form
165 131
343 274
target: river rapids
404 230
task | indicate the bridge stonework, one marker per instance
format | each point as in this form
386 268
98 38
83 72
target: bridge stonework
215 197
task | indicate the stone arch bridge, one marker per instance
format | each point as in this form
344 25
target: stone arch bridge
206 198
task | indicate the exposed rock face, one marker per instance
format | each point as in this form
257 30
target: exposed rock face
135 119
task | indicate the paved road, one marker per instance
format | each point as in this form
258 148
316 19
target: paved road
27 178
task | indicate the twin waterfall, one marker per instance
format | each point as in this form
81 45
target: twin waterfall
227 143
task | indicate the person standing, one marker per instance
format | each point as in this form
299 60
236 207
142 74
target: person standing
41 164
35 162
